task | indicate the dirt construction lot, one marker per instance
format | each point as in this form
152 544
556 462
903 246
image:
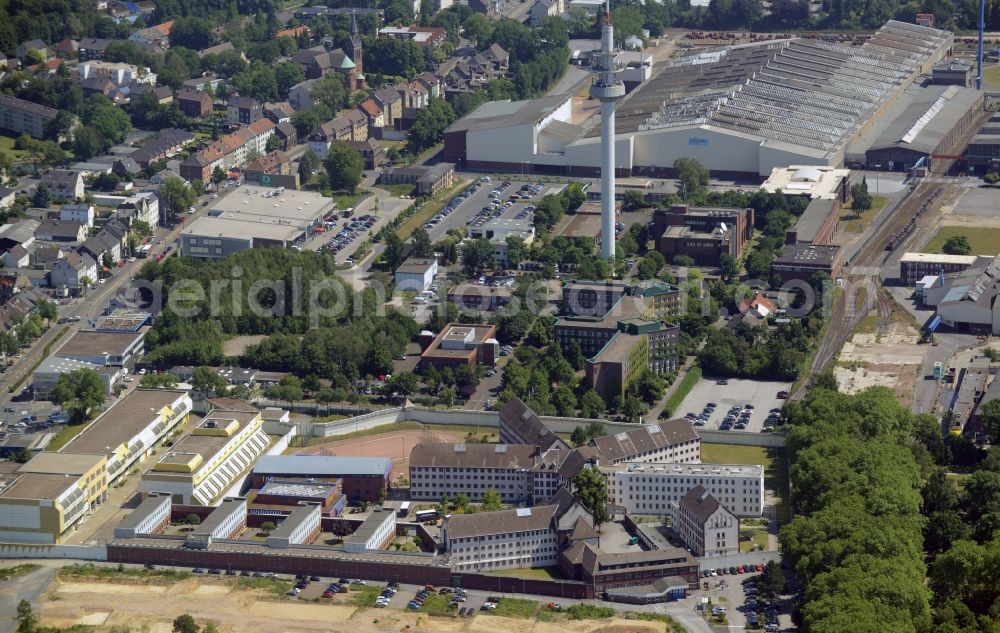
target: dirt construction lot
395 445
153 608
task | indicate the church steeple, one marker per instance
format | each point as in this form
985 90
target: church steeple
356 43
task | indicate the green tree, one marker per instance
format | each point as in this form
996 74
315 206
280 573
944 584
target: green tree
192 32
42 196
692 176
177 196
491 500
393 254
219 174
207 379
158 380
273 143
989 417
47 310
78 392
478 256
344 167
728 266
579 436
308 165
185 623
330 91
404 383
957 245
268 527
591 404
590 486
86 143
422 246
861 199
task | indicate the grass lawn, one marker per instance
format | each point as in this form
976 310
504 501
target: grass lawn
539 573
429 210
759 538
858 222
773 459
517 608
102 571
7 147
10 573
392 428
982 240
270 585
398 190
677 397
344 201
991 76
63 437
364 595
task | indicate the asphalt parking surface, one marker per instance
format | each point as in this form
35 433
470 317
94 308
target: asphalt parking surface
738 392
481 198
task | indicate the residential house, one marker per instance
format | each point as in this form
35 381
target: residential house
32 45
24 117
66 48
92 49
373 112
16 257
352 126
300 95
7 197
208 81
244 110
119 74
228 152
64 184
392 105
495 56
100 86
165 145
125 167
18 232
163 94
143 206
372 152
421 35
79 213
542 9
287 134
158 35
70 271
194 103
273 163
278 113
432 83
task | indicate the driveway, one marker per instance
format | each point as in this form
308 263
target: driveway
27 587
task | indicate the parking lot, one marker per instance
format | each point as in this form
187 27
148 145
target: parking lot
479 197
762 396
740 597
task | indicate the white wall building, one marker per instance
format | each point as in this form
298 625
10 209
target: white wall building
79 213
416 274
643 488
674 441
118 73
509 539
706 526
226 521
152 515
377 532
301 526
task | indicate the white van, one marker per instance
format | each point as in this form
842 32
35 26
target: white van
427 293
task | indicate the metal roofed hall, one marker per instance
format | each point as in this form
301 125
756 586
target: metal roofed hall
496 114
305 465
933 113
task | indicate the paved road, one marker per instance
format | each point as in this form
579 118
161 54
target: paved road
27 587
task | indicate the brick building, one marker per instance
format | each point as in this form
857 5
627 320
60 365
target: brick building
702 234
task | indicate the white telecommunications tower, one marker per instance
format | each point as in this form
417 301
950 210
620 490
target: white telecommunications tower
607 89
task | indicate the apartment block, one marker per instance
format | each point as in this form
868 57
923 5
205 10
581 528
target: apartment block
672 441
24 117
375 533
151 517
299 527
449 469
225 522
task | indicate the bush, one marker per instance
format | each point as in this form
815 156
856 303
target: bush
585 611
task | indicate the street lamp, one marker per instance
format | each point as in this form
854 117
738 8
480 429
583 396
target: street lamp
878 166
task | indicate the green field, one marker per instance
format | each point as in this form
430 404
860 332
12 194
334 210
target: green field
7 147
858 222
773 459
984 241
991 76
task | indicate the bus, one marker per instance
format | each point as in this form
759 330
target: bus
144 251
426 516
404 509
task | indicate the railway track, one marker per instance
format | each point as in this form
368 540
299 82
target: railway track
862 292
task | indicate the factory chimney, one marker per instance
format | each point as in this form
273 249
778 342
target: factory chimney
607 89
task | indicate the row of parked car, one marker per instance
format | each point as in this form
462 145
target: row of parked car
749 568
494 208
452 205
350 232
755 609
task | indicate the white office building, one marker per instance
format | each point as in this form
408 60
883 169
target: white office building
301 526
643 488
376 532
151 517
226 521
